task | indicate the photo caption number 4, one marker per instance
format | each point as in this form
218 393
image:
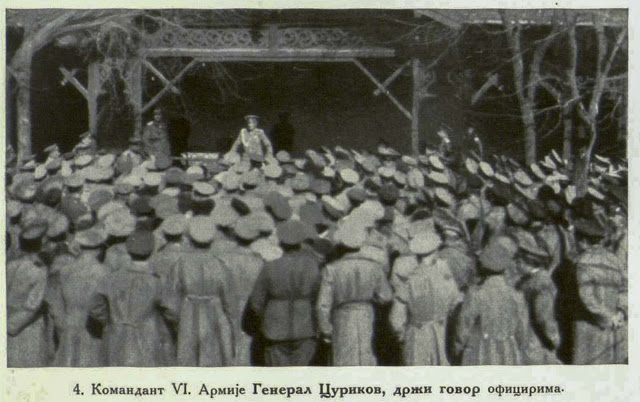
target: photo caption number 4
76 389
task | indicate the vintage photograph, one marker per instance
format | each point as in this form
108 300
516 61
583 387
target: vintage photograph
316 187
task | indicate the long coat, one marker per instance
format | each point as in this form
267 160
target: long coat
490 327
425 295
603 291
284 295
348 290
201 301
26 329
128 303
543 334
69 308
155 139
244 269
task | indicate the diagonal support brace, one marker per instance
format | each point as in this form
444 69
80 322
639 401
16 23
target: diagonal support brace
69 76
391 78
161 77
164 90
382 89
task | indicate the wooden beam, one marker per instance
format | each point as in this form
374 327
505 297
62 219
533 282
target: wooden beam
257 54
69 76
164 90
135 95
94 85
391 78
417 98
384 90
160 76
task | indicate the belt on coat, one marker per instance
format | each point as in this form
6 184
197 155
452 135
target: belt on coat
355 305
126 323
201 298
420 324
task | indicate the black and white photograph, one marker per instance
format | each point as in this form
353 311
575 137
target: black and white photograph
316 187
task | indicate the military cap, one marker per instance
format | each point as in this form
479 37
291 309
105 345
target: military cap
370 164
528 243
501 178
230 181
173 176
84 221
409 160
283 156
272 171
25 191
399 178
328 172
196 170
589 228
535 169
278 205
251 179
84 143
240 206
486 169
497 256
98 198
53 165
68 156
387 151
76 180
561 161
106 161
388 194
166 207
251 117
92 173
40 172
58 225
267 250
91 238
438 177
548 163
51 148
332 207
263 221
34 230
425 242
246 228
289 170
292 232
349 176
595 194
202 230
435 162
202 189
152 179
350 236
141 243
387 171
82 160
120 223
174 225
123 188
341 152
517 214
28 166
300 163
224 215
320 186
311 213
141 206
14 209
415 178
301 182
471 165
444 196
356 195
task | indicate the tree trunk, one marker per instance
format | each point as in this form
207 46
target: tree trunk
567 137
529 122
21 65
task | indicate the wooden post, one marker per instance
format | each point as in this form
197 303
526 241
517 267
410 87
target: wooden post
415 111
135 86
93 91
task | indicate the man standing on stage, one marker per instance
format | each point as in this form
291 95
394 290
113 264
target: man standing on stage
252 141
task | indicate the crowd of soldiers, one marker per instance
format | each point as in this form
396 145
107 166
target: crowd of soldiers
332 257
